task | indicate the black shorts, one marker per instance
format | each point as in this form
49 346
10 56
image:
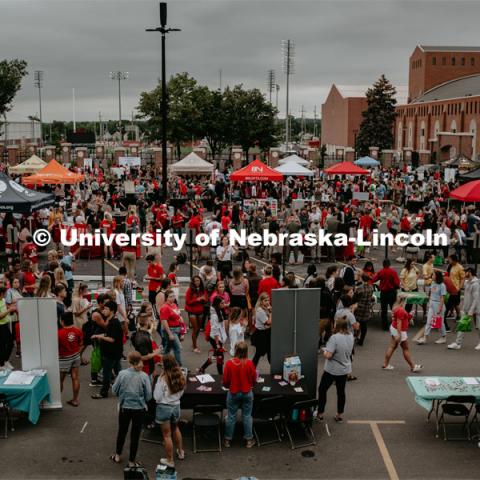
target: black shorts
454 300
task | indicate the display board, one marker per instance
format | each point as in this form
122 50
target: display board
295 327
39 337
129 162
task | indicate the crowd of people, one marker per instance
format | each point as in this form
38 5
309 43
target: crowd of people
227 308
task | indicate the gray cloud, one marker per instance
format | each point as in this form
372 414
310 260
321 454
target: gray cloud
77 43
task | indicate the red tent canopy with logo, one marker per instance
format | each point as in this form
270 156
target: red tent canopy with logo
55 174
346 168
469 192
256 171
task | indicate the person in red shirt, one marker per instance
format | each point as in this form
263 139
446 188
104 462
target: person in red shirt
226 221
70 341
239 377
155 275
196 297
30 252
389 284
108 225
405 225
177 222
267 283
171 326
398 331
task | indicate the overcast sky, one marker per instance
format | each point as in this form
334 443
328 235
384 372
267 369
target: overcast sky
78 42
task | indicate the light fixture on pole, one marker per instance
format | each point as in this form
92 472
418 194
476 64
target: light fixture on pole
270 84
288 54
119 76
164 30
38 82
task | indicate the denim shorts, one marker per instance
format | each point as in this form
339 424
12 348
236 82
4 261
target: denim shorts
167 413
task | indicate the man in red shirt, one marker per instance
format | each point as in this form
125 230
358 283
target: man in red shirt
268 283
226 221
389 284
155 275
70 341
30 252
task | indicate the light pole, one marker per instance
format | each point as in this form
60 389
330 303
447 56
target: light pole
271 84
277 89
164 30
38 82
119 76
288 50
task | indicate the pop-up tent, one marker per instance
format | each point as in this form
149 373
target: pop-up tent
53 174
256 171
294 158
346 168
15 198
367 162
192 164
469 192
471 175
31 165
292 169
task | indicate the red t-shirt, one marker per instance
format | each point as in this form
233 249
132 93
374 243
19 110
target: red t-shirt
171 314
30 252
226 220
69 341
239 375
399 314
29 282
267 285
154 270
173 278
109 226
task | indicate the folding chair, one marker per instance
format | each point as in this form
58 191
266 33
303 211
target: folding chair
475 422
457 406
5 412
207 417
300 416
268 411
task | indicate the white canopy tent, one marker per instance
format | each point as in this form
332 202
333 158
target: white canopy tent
294 158
31 165
292 169
192 164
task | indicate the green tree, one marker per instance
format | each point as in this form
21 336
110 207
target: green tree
250 118
182 90
11 74
376 128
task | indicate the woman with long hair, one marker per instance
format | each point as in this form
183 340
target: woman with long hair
195 299
398 331
236 328
118 282
171 326
217 336
239 377
239 288
168 392
44 288
409 279
263 322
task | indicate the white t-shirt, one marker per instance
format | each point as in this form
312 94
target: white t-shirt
162 394
236 332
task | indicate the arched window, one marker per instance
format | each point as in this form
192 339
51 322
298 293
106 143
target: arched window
422 136
399 135
410 135
436 128
453 126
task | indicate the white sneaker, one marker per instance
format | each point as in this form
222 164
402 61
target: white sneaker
417 368
421 341
477 347
441 340
454 346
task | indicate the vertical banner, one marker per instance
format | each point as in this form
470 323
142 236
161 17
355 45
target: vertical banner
39 337
295 327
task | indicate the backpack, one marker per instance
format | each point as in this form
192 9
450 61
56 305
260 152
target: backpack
135 473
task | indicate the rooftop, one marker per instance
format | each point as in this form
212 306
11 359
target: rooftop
439 48
458 88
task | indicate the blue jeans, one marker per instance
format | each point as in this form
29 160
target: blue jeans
172 345
235 401
108 364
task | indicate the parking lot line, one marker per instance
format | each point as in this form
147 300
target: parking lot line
387 459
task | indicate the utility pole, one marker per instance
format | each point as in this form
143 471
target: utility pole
271 84
164 30
100 130
119 76
315 121
302 121
288 50
277 89
38 82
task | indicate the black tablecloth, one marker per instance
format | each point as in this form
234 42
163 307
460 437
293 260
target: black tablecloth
218 396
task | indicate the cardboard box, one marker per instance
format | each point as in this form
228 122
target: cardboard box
292 369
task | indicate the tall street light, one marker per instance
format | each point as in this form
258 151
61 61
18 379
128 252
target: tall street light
119 76
38 82
164 30
288 51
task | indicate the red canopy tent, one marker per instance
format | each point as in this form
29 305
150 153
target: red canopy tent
256 171
53 174
469 192
346 168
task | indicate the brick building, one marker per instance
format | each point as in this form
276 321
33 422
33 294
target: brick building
442 115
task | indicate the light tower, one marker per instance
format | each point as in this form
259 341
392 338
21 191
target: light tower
288 53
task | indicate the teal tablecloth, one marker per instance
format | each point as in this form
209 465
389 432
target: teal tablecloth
27 398
425 394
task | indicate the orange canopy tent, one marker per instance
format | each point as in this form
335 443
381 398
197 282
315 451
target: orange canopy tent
53 173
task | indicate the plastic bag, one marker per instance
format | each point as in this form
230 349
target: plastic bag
96 360
464 324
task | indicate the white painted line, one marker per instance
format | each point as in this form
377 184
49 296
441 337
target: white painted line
84 427
327 430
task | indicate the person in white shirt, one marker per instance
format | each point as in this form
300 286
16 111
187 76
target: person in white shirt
236 328
168 392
